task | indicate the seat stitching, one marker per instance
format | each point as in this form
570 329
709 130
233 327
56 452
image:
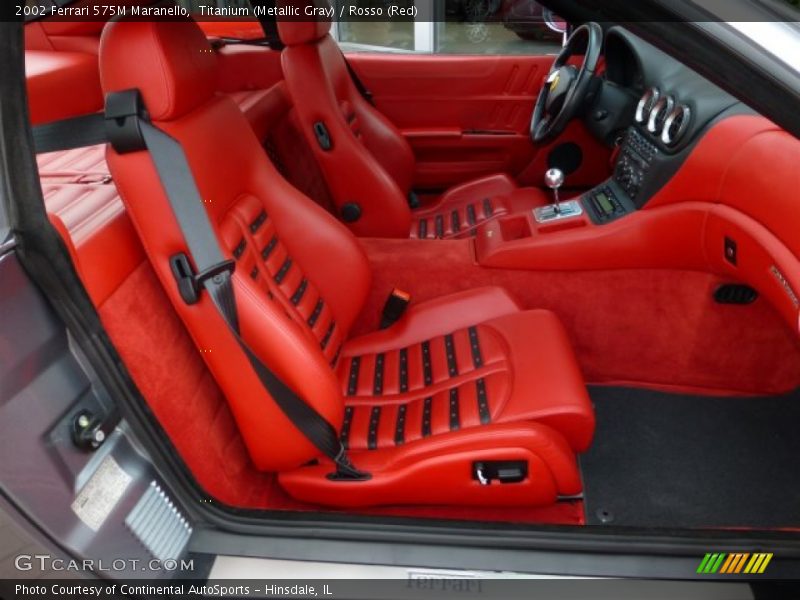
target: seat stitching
499 367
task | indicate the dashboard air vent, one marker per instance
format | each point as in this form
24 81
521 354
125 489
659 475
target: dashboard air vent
676 124
646 104
658 115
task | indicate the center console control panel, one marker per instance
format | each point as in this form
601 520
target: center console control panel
635 159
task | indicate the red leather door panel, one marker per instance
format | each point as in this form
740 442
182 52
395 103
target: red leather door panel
468 116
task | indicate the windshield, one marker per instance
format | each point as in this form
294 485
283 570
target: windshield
780 39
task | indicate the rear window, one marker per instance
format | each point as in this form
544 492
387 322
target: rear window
226 19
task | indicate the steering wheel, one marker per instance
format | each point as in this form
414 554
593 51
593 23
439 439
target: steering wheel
567 86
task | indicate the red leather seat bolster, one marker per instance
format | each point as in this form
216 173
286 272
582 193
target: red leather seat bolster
321 65
548 386
63 232
274 121
439 471
387 146
92 221
262 108
351 173
437 317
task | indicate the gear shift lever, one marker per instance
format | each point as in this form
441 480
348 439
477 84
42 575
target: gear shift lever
554 179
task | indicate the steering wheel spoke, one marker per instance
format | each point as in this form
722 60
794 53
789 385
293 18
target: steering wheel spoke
543 127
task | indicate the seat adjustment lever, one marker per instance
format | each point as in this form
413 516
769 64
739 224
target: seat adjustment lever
503 471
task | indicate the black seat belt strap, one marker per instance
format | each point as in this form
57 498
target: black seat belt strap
127 129
269 23
75 132
362 89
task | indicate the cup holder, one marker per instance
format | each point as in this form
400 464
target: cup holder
515 228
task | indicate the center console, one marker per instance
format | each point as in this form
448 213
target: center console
625 192
550 236
518 239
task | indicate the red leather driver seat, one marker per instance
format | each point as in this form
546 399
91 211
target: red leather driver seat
369 162
458 381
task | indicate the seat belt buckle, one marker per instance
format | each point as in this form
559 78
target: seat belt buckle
396 305
189 283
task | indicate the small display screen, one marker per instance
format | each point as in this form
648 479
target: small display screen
605 203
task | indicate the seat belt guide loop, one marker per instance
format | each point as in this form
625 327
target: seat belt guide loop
345 470
123 111
189 283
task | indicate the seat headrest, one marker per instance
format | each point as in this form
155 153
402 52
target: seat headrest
171 63
293 31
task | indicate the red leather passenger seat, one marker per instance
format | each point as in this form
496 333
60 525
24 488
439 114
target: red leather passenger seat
369 162
461 381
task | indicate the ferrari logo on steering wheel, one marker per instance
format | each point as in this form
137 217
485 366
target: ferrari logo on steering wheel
553 80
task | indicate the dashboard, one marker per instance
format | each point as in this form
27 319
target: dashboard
700 180
655 109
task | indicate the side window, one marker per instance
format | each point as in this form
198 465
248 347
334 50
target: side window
379 36
498 27
365 26
450 27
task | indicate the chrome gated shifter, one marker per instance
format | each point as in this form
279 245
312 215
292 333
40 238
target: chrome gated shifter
554 179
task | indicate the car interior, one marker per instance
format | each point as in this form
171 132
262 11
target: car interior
528 289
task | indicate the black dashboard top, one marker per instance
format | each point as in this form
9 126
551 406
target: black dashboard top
635 68
655 109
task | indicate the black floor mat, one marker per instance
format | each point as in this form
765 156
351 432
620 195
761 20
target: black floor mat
668 460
